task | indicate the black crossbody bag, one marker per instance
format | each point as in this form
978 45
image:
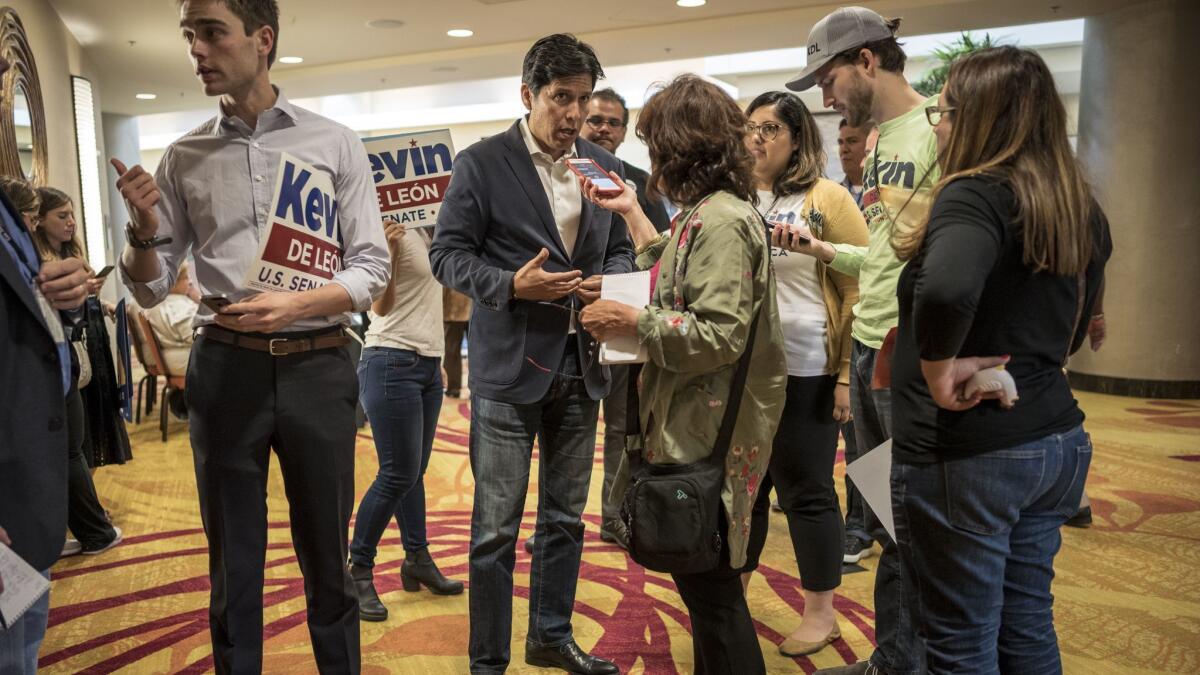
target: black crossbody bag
672 511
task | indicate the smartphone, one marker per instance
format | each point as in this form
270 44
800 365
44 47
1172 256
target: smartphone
104 272
796 236
588 168
215 302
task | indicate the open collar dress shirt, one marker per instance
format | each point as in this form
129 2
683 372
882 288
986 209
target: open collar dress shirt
561 186
216 185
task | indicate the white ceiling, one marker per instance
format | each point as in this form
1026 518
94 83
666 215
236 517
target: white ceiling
137 46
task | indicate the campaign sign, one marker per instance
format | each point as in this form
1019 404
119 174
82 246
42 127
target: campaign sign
411 172
302 248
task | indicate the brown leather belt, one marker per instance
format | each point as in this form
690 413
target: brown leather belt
276 346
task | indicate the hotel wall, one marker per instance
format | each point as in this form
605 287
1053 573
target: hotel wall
58 56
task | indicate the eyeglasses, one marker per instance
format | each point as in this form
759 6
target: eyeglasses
596 121
586 362
934 113
768 131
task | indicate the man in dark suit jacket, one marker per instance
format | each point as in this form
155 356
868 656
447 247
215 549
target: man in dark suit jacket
516 235
35 368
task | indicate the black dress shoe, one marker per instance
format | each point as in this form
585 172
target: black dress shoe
370 608
1082 518
419 569
570 658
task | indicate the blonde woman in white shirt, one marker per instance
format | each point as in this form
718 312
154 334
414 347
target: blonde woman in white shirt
815 307
400 386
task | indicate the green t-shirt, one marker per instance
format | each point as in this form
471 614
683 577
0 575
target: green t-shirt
905 154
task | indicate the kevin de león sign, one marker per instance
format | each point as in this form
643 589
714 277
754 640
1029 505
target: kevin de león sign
303 245
411 172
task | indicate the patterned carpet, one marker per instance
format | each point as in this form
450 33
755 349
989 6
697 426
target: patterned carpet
1128 589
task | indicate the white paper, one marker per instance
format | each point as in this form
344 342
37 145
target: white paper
631 289
23 585
872 475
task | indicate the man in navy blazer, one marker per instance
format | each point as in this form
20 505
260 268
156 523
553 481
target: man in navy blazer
35 371
517 236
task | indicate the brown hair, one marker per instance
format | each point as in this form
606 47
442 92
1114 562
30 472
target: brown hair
22 195
1010 123
695 133
52 199
254 14
888 50
807 162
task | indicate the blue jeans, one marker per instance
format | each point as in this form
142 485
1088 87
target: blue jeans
502 434
20 642
899 650
402 394
856 516
980 534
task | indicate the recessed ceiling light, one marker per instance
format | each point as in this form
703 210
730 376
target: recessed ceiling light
385 23
690 3
146 97
460 32
291 59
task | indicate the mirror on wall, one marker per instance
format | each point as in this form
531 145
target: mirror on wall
23 126
23 146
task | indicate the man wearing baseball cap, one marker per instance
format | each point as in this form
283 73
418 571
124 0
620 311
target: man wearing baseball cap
854 58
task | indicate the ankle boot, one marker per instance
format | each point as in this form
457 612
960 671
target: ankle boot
419 568
370 608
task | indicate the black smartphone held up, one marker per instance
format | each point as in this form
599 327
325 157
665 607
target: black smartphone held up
589 169
215 302
104 272
787 231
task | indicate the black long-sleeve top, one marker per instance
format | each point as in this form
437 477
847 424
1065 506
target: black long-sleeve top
969 293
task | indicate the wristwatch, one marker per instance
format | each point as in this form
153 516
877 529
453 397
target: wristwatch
144 244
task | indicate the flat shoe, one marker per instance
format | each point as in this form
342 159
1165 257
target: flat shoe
792 647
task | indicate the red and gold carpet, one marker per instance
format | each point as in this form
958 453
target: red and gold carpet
1128 589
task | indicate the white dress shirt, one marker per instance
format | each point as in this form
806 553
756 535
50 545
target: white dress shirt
216 185
561 186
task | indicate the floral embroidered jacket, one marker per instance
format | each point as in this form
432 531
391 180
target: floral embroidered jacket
712 274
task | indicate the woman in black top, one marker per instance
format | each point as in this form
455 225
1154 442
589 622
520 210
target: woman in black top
1003 273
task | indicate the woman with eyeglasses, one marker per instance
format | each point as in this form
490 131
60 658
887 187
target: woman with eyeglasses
712 279
815 306
1008 263
400 386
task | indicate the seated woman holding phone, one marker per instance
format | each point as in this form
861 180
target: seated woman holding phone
712 303
815 308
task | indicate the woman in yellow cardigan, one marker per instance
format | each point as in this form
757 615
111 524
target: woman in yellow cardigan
815 309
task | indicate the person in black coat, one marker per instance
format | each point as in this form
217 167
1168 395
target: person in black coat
34 375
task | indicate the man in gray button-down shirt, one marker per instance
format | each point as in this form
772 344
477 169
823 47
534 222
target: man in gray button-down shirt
269 371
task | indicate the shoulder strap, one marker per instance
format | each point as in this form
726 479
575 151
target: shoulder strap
738 386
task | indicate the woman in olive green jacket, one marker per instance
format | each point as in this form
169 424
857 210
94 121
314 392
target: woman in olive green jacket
712 277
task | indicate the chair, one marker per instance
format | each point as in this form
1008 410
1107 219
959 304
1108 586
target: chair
171 381
149 381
